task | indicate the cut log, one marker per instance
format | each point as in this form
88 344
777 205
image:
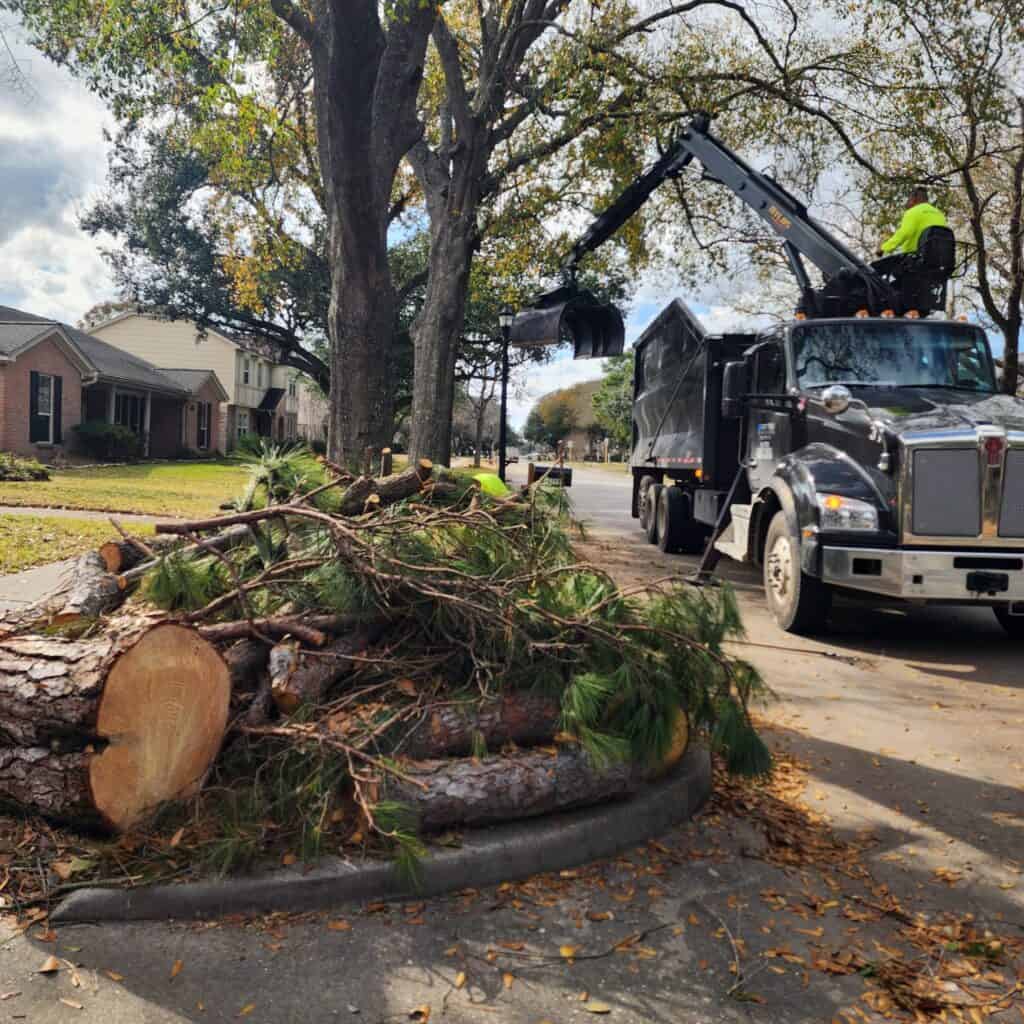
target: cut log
354 496
480 792
299 678
386 462
520 718
227 539
92 591
119 555
103 731
405 484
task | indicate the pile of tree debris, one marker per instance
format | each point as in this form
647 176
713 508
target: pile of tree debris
441 658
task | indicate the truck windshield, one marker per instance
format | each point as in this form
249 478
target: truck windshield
896 352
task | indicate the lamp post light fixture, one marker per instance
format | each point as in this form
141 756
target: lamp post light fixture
505 318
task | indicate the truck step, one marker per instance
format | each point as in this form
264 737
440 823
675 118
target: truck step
734 539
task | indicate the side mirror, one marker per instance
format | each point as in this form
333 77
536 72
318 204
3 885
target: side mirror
734 388
836 399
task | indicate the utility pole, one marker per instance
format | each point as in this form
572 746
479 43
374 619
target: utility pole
505 318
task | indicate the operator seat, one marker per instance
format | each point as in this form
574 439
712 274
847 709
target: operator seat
922 275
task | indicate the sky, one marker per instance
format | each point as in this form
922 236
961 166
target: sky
52 163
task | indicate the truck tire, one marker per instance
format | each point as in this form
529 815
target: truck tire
1013 624
799 603
643 501
677 529
652 498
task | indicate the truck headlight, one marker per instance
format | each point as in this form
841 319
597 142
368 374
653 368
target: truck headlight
839 513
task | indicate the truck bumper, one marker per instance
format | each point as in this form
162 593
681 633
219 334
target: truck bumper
927 575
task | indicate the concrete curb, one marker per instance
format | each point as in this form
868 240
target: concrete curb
487 857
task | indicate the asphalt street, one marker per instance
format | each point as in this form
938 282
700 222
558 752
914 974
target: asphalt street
909 723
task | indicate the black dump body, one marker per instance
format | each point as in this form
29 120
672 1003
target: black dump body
677 388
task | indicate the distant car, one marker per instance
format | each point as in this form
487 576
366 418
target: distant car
511 455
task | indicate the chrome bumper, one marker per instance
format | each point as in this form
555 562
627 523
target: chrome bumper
924 575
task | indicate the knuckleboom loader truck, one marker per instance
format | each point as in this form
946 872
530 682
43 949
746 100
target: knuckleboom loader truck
863 446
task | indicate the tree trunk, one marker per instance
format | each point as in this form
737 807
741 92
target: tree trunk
480 792
478 440
92 591
1011 355
519 718
103 731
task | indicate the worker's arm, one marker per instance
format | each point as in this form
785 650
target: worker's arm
902 234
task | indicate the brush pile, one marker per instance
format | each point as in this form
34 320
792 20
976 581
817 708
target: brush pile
440 656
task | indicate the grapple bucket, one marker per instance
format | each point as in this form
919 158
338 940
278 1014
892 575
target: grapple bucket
568 314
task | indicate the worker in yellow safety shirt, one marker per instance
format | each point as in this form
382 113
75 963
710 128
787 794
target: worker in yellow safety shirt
920 214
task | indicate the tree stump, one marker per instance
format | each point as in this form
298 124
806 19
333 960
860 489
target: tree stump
102 731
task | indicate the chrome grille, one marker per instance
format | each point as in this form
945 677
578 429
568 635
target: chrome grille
1011 509
947 493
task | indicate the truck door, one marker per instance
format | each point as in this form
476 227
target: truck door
770 430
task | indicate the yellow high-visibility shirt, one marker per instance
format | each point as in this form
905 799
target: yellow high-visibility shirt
491 484
915 220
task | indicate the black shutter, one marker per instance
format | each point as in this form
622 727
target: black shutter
38 426
199 425
58 394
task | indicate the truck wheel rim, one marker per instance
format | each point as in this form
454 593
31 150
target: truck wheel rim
780 569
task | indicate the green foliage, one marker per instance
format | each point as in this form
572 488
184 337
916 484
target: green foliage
18 468
277 470
182 584
551 420
108 441
613 400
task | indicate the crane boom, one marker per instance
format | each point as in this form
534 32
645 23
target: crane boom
851 285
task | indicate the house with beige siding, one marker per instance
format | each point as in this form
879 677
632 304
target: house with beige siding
262 394
54 377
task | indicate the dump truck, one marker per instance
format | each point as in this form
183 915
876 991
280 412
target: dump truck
862 447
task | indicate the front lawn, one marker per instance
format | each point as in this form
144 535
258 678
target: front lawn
27 540
185 489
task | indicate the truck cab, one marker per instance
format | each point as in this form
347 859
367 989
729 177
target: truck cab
873 455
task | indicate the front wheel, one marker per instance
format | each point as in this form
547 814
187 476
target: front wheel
799 603
644 502
1013 624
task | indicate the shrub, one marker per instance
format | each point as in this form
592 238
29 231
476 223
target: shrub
14 467
102 441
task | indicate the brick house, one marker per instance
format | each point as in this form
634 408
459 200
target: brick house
53 377
262 394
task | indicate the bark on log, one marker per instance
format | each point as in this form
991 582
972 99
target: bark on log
104 730
277 626
297 678
354 497
481 792
405 484
521 718
227 539
246 661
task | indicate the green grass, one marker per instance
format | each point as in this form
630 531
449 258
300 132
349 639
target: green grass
34 540
185 489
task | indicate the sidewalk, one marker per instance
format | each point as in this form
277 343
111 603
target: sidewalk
20 589
77 513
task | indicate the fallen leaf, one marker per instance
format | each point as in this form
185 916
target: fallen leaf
693 919
62 869
177 837
420 1014
646 953
288 859
47 935
246 1010
406 686
177 968
451 951
339 926
8 995
507 979
50 966
594 1006
114 976
568 952
599 915
460 979
516 946
72 1004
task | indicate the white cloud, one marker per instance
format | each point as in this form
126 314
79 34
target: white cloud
52 164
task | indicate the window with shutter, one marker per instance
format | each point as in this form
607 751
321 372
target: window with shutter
41 406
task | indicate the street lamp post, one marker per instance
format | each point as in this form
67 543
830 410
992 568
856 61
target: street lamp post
505 318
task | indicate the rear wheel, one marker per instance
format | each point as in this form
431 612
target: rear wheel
800 603
677 529
644 503
652 499
1013 624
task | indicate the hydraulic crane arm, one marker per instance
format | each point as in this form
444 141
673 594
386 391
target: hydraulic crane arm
850 284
